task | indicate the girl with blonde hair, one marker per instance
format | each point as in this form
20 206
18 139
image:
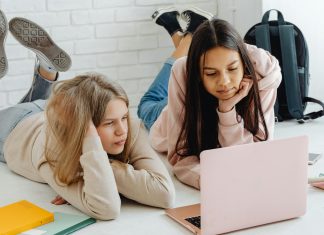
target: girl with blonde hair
84 145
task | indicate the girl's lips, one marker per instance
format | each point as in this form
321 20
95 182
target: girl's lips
121 142
225 91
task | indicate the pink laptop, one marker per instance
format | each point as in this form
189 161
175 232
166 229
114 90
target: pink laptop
249 185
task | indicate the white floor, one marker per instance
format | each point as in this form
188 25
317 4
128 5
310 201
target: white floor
139 219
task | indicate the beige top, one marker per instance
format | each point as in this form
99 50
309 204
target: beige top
145 179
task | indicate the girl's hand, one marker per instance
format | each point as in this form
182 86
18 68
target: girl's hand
92 131
225 106
58 200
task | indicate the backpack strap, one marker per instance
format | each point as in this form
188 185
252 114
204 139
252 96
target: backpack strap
312 115
276 111
290 71
262 32
266 16
262 37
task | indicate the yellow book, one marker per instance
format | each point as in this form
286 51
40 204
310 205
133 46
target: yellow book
21 216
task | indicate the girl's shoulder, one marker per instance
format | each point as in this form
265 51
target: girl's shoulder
266 66
179 65
256 54
179 74
136 126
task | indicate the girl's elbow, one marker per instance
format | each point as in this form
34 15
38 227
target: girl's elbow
168 204
168 197
109 211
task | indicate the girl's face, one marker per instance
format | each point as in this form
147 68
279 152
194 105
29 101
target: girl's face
114 127
221 72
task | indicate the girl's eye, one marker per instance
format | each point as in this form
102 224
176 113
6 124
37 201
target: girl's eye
210 74
125 117
232 69
109 123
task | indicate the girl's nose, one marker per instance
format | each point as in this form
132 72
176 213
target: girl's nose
224 81
121 128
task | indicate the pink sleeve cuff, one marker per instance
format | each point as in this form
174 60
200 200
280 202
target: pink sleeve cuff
229 118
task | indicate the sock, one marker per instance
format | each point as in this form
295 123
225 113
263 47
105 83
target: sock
42 63
47 72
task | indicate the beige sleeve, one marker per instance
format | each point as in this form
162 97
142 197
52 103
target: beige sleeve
96 195
145 179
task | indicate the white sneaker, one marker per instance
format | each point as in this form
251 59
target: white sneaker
34 37
194 16
168 18
3 34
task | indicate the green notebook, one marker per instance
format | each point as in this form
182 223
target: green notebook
63 224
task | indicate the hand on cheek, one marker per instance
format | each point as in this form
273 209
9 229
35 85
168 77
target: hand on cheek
244 88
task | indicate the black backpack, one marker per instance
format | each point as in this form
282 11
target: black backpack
286 42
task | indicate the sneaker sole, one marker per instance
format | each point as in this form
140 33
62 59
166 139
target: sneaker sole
34 37
3 35
198 11
161 11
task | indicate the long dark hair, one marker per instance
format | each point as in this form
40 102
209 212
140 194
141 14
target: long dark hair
200 126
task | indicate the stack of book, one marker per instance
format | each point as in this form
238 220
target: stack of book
26 218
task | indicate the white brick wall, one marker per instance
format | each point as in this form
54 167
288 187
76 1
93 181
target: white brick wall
114 37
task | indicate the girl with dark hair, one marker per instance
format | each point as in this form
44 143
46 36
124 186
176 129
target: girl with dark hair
221 94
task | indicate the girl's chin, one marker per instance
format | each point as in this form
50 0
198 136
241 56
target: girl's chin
225 96
116 151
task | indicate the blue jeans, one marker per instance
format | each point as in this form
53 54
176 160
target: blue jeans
33 102
156 97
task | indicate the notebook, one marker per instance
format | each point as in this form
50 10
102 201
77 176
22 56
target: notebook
21 216
64 223
249 185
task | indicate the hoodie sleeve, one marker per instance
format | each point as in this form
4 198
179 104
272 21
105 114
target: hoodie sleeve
165 131
96 194
145 179
231 125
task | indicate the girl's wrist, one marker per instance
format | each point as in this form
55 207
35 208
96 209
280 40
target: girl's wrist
225 110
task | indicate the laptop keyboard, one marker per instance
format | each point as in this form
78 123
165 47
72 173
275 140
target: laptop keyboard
194 220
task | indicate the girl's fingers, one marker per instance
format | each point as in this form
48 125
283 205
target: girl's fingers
55 199
245 86
61 201
58 200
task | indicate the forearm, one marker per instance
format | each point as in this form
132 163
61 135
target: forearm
99 190
96 193
144 186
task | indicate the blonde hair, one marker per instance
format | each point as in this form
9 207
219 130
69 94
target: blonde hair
71 106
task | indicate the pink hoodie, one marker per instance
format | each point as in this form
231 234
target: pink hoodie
165 131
